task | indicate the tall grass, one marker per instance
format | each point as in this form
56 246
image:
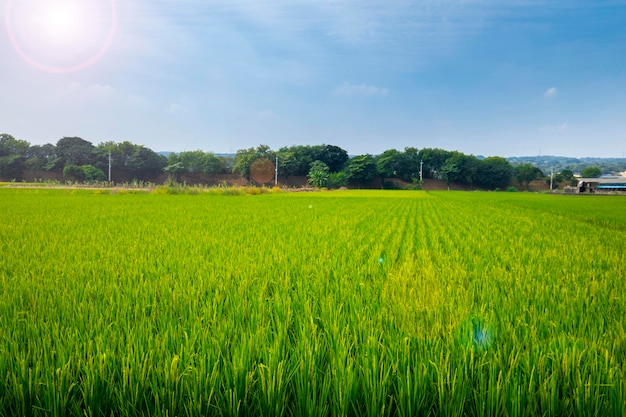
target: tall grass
342 303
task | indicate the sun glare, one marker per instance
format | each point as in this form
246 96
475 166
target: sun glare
63 21
60 35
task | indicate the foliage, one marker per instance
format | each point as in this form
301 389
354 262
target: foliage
13 154
43 157
591 172
338 179
362 169
296 160
339 303
460 168
434 159
494 172
388 163
195 162
525 173
566 176
395 164
333 156
245 157
318 174
74 151
129 161
83 173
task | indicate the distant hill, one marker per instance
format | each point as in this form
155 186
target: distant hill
609 166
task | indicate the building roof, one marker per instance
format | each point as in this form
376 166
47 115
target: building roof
608 181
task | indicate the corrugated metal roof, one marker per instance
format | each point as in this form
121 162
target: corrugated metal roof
604 180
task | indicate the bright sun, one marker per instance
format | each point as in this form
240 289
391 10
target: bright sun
60 35
63 21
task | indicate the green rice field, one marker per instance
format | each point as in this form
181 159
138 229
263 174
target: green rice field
346 303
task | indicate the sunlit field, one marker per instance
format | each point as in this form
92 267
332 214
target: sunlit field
329 303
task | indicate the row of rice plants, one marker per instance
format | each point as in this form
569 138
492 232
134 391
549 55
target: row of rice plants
343 303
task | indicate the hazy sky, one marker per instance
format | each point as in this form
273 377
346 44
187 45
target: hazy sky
485 77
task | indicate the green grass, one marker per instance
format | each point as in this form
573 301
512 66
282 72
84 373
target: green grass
335 303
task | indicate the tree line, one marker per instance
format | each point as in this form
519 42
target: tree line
324 165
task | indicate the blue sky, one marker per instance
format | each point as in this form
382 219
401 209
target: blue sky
485 77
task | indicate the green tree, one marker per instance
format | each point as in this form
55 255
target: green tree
197 162
13 155
129 161
318 174
245 157
460 168
173 170
409 164
567 175
591 172
296 160
42 157
362 169
434 159
525 173
338 179
333 156
388 163
83 173
494 172
75 151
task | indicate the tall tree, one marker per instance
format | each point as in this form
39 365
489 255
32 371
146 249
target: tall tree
591 172
333 156
434 159
318 174
494 172
388 163
42 157
525 173
129 161
245 157
13 154
409 164
197 162
460 168
362 169
75 151
296 160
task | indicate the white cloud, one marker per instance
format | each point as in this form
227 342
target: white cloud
349 89
551 92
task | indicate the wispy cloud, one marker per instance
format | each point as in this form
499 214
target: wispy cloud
349 89
551 92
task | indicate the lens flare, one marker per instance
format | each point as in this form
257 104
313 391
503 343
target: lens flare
61 36
476 333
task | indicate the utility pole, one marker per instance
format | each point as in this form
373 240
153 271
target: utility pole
276 173
421 169
551 176
109 166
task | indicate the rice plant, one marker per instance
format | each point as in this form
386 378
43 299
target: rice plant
286 304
